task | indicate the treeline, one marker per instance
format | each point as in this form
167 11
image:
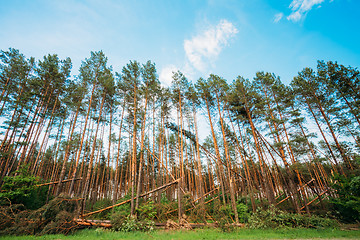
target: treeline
105 135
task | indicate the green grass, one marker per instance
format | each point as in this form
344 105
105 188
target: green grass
200 234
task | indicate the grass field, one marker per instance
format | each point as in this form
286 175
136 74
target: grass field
100 234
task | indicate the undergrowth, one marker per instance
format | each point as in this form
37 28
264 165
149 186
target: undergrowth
277 219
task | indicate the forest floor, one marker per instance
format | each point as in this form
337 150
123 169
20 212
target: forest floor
102 234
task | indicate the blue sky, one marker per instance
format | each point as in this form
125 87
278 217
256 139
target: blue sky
227 38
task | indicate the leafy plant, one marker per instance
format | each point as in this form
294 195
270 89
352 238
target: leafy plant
275 218
21 188
100 204
243 212
346 206
144 221
128 225
224 215
146 211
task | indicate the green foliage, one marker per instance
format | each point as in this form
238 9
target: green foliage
275 218
243 212
100 204
163 207
117 220
346 206
21 189
146 211
222 214
128 225
55 217
120 214
226 215
121 219
197 214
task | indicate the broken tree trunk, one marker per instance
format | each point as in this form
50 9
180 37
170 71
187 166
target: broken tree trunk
142 195
56 182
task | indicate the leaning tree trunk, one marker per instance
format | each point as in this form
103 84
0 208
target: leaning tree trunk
82 139
218 157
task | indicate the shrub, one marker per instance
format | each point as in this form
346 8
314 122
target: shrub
21 189
121 219
165 206
128 224
275 218
146 211
346 206
100 204
243 212
224 216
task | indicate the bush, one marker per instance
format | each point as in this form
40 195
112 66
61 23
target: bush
146 211
346 206
224 216
100 204
21 189
121 219
275 218
243 212
128 224
165 206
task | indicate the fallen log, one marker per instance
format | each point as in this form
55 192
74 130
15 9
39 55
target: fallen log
95 223
126 201
314 199
297 190
56 182
107 224
174 210
206 194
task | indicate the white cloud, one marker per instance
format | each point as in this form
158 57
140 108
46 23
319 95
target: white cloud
301 7
278 17
207 45
166 74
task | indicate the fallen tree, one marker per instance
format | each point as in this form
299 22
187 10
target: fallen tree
126 201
